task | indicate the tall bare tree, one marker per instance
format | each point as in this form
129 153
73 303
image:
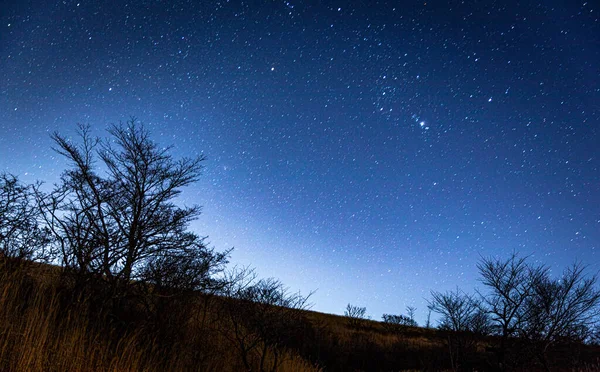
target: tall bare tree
113 214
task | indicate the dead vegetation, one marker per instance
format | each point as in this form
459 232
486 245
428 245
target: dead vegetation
41 329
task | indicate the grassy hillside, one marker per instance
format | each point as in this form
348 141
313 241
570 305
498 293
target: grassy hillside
43 327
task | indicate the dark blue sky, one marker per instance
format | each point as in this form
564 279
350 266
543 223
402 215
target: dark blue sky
372 150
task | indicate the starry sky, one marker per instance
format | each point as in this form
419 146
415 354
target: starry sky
370 150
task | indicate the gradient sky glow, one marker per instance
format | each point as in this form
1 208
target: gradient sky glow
370 150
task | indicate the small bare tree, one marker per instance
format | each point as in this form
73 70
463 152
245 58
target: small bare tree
411 311
355 315
464 317
457 309
428 319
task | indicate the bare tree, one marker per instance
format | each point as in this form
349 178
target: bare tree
21 235
464 317
355 314
511 284
411 310
561 310
428 320
456 308
118 220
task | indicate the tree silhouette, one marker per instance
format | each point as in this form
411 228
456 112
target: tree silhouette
355 314
411 310
532 312
566 309
457 310
21 236
464 317
511 285
113 213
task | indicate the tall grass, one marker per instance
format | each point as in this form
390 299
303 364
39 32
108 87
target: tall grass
37 334
44 327
40 332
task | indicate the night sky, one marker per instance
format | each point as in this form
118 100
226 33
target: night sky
369 150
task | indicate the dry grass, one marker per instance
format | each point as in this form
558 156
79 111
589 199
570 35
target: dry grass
37 333
36 336
40 332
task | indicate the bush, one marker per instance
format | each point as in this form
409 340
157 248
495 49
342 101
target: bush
396 322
